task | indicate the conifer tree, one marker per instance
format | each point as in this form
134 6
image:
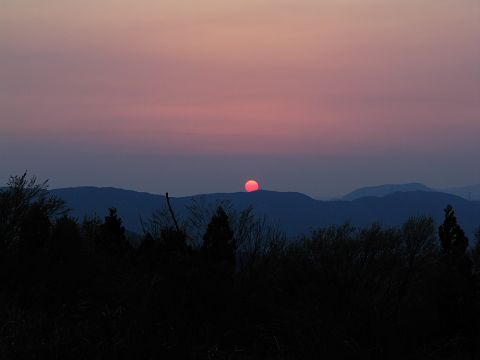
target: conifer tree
452 236
218 241
111 237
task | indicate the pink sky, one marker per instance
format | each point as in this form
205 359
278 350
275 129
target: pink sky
263 77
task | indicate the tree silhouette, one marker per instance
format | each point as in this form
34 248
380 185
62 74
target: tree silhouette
25 203
66 240
455 287
342 292
217 278
34 230
476 252
173 239
452 236
218 241
111 238
66 258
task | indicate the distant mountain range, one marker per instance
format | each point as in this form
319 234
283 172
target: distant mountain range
467 192
294 213
383 190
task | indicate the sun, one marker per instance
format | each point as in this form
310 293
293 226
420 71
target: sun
251 185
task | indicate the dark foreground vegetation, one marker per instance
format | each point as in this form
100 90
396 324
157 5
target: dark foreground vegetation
225 285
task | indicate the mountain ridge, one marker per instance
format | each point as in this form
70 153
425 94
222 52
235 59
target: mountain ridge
294 212
384 189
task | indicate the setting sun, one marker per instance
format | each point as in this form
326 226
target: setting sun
251 185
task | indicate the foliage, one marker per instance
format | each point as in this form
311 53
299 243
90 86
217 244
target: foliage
25 207
218 241
78 290
452 236
111 237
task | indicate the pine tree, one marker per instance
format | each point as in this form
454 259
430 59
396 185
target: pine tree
111 237
452 236
456 289
217 278
218 241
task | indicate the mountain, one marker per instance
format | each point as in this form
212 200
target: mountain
383 190
471 192
294 213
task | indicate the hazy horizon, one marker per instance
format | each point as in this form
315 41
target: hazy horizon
319 97
235 186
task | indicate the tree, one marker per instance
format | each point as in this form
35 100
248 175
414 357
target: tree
66 258
455 286
24 202
217 275
452 236
173 239
34 230
111 238
418 235
476 253
419 238
66 240
218 241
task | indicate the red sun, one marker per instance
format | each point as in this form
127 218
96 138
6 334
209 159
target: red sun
251 185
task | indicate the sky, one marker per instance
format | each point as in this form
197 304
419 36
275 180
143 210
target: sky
315 96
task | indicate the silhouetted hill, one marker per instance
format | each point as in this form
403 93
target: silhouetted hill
294 213
471 192
394 208
93 201
383 190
